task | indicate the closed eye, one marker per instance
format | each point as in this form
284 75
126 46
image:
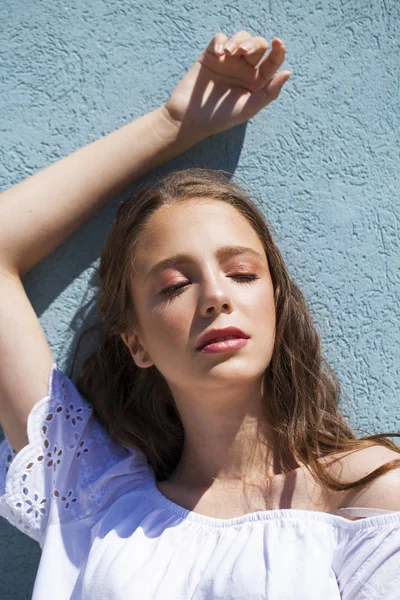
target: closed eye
244 278
175 289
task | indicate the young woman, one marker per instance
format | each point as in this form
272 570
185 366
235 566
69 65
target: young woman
203 453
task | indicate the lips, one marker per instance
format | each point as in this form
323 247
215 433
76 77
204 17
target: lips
218 334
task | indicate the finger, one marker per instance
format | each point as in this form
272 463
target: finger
259 100
232 46
217 43
273 61
274 86
253 49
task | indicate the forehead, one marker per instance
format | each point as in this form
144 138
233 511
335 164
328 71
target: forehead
194 226
194 231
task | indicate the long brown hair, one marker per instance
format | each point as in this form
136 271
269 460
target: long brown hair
136 405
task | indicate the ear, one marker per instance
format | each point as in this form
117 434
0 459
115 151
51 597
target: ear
138 352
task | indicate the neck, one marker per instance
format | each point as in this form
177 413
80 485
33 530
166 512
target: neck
227 437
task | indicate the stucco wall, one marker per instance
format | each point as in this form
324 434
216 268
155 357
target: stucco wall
323 160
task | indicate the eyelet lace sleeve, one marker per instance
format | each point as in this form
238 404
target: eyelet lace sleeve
70 469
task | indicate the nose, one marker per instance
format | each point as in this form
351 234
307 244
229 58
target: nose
215 296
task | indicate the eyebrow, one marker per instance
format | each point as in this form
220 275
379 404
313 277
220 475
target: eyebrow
223 253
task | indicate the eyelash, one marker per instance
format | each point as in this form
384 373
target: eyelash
176 289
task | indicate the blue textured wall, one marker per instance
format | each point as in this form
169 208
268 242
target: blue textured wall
323 160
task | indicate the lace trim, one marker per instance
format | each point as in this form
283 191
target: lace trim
67 464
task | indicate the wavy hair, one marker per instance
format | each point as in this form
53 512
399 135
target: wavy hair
136 406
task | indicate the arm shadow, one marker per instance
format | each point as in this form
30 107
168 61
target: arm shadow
46 281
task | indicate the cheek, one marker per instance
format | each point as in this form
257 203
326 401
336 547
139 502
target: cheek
268 302
167 336
168 328
159 322
263 318
260 301
269 310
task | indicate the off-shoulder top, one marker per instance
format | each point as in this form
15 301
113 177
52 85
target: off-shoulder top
107 532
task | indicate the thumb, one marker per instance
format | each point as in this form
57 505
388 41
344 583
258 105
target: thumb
259 100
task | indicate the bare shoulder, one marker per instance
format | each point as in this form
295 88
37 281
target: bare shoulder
384 491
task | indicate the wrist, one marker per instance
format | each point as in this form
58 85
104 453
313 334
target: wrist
173 130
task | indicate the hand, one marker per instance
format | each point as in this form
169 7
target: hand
224 88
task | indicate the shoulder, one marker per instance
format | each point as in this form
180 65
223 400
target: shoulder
381 493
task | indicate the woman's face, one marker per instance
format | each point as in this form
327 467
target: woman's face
217 276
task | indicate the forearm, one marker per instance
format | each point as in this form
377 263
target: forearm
39 213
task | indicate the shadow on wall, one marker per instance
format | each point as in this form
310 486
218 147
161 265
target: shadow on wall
46 282
83 248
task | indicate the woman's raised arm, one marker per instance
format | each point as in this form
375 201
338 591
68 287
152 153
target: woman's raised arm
39 213
222 88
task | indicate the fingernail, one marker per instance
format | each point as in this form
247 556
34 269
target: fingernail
247 46
231 46
219 49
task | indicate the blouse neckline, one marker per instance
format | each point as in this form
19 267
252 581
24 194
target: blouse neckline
158 498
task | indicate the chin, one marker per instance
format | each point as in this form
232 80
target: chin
234 372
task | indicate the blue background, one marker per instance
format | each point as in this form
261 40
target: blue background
323 161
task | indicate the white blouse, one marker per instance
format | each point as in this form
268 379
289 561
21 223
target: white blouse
107 532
